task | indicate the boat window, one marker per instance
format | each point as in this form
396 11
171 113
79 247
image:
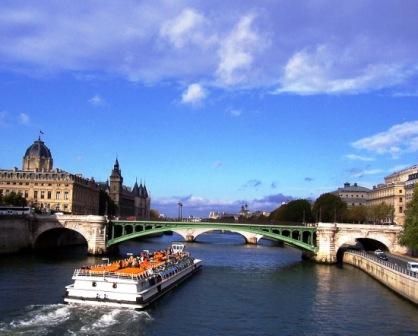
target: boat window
94 284
115 285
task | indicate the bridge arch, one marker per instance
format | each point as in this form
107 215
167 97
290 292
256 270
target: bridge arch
58 237
91 228
191 235
295 236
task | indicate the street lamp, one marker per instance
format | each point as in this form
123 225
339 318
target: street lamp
180 211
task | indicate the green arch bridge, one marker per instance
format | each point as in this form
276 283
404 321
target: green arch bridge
301 237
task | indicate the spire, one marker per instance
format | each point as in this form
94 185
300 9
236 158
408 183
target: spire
116 165
135 190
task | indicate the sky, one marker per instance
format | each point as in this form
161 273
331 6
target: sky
213 103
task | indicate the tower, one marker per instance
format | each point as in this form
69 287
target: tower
115 184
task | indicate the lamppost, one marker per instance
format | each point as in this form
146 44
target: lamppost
180 211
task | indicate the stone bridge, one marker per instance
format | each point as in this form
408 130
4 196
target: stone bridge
333 236
25 232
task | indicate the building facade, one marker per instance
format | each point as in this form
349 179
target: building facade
409 186
353 195
396 191
49 189
135 202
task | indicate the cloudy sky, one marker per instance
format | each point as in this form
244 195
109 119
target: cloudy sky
214 103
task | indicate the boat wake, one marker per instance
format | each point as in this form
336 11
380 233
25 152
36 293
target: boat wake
72 320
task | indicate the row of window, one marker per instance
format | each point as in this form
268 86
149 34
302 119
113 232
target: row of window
42 194
36 183
352 196
36 176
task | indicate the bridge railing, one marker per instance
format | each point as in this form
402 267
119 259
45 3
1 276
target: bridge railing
386 263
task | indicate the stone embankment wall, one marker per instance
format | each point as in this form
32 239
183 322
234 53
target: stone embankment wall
403 284
15 234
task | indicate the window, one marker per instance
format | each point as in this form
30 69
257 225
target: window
58 195
400 199
1 192
400 209
35 194
42 194
66 195
49 194
26 194
400 191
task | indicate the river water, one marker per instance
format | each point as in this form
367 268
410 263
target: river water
242 290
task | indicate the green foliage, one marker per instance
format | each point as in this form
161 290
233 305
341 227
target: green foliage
14 199
409 236
381 213
357 214
294 211
329 208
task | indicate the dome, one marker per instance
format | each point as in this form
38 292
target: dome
38 149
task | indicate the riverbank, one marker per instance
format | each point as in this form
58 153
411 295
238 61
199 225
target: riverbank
397 279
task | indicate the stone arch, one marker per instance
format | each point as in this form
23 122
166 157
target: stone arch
58 237
91 228
360 243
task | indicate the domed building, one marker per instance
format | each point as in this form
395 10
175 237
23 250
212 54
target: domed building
48 189
37 157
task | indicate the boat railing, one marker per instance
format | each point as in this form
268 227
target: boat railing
107 274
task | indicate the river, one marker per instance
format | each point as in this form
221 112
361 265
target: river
242 290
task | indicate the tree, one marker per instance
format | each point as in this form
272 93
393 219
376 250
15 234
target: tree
357 214
409 236
329 208
154 214
381 213
14 199
294 211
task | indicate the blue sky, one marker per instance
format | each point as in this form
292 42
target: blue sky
213 103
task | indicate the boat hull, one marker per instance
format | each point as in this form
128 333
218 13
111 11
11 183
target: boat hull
137 300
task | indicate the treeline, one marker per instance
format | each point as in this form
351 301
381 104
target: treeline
13 199
331 208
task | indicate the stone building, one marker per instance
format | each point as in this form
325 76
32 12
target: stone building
134 202
50 189
395 191
353 195
409 186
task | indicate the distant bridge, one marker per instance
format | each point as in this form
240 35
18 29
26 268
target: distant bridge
301 237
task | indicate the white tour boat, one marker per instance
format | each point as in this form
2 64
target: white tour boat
134 282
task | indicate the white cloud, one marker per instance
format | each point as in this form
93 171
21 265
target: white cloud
235 112
97 100
217 164
183 28
365 172
237 52
396 140
356 157
194 94
24 118
328 70
266 47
